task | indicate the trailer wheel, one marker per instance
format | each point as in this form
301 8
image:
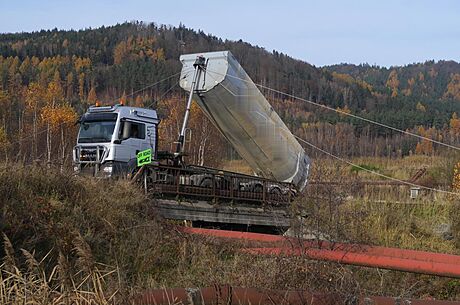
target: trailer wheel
206 182
258 188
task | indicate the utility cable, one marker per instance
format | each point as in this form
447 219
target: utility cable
117 99
373 172
351 163
335 110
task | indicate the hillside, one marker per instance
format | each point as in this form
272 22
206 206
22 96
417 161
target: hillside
48 78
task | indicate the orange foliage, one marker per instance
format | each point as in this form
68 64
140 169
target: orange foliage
425 147
135 48
59 115
453 88
455 124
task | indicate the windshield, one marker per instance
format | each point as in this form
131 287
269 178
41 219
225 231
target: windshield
96 131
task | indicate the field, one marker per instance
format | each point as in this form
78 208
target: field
74 239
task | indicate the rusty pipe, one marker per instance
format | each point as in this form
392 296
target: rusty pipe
366 260
353 254
282 241
228 295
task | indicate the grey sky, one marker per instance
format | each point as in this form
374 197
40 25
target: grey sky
386 32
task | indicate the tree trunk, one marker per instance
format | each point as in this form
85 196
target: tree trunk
48 144
62 148
34 136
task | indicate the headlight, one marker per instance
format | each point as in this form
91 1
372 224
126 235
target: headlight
107 169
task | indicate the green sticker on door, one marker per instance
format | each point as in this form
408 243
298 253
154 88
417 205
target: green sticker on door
144 157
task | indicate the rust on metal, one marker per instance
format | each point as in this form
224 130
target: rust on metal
212 185
229 295
366 260
423 262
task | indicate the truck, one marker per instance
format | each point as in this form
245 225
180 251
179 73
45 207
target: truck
120 140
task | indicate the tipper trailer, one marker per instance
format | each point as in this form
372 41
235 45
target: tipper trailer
112 139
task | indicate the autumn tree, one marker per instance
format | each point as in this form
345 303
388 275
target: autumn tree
453 88
60 118
35 99
425 146
4 142
54 97
92 96
393 83
204 144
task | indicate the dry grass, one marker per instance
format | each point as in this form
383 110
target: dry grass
36 284
107 238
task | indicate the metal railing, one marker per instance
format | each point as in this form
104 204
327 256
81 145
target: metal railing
202 183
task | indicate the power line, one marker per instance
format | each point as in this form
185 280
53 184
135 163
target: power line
373 172
163 95
117 99
346 161
151 85
337 110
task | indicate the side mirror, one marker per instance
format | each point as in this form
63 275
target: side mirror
118 141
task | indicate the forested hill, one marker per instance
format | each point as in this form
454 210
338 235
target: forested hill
126 57
429 81
47 77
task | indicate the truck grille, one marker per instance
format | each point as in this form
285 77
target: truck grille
90 154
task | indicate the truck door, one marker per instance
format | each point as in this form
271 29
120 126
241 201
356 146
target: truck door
133 136
150 138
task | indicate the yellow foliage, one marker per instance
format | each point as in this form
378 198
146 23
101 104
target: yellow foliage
92 97
425 147
420 107
81 86
81 64
135 48
453 88
364 85
349 80
35 95
3 97
421 77
343 111
411 82
4 142
57 116
343 77
455 124
55 93
456 177
393 83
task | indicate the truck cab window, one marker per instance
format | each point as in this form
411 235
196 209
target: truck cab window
132 130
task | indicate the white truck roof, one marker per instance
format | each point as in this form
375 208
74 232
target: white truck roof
149 115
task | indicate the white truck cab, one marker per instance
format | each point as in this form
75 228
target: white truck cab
110 138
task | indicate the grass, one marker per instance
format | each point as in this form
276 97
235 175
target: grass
111 243
36 284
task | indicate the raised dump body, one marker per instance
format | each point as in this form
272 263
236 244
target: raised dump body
238 109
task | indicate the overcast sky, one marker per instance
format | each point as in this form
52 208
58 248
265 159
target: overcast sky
320 32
